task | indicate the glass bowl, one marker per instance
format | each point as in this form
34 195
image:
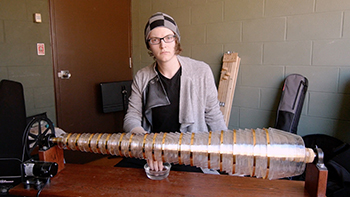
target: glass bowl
158 175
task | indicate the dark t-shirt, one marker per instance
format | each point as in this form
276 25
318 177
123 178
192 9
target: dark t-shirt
166 118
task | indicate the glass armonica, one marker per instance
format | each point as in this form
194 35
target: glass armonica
262 153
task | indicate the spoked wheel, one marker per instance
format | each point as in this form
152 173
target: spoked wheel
38 133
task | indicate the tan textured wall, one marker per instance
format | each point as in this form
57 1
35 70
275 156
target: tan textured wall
274 38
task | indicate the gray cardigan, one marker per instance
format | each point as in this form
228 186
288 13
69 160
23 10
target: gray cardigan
199 105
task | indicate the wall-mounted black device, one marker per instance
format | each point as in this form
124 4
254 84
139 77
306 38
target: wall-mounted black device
115 96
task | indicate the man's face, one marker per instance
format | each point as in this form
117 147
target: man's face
163 52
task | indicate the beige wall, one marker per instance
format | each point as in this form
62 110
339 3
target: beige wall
274 38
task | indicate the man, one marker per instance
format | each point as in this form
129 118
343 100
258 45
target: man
175 93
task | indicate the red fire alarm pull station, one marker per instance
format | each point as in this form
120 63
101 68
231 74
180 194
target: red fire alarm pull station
40 47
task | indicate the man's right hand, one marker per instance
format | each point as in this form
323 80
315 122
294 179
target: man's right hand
155 165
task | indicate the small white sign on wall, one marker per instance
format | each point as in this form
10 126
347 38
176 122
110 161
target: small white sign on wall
40 48
37 17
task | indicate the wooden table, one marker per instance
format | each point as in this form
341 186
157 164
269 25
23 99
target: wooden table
89 180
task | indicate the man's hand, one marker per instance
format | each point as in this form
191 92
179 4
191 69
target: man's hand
138 130
155 165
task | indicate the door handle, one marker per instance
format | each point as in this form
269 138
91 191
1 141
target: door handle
64 74
130 62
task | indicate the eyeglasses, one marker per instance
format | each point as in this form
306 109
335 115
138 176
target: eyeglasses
167 39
